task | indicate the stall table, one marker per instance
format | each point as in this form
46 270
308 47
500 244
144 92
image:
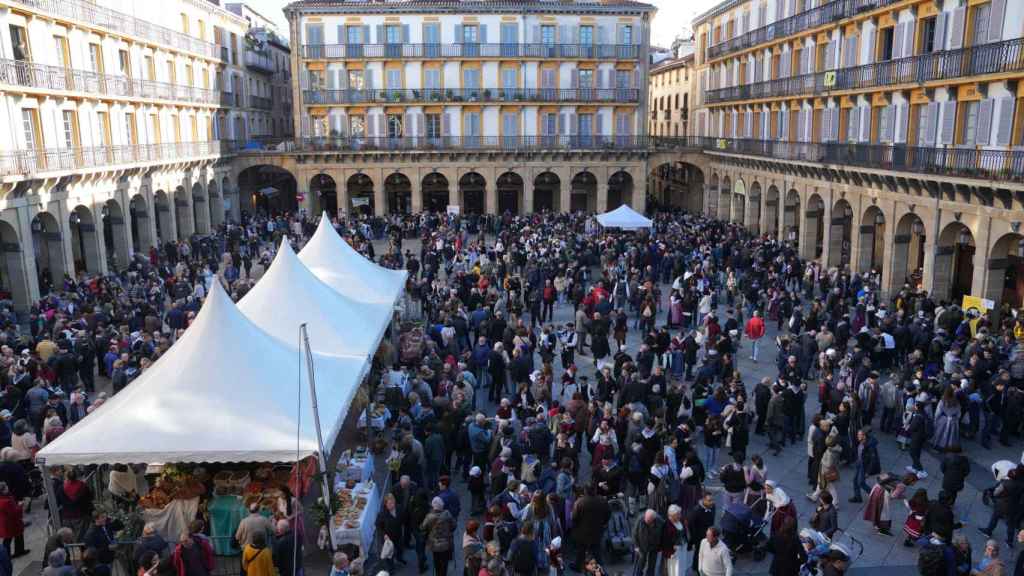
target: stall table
361 534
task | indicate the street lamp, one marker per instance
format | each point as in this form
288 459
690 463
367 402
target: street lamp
964 238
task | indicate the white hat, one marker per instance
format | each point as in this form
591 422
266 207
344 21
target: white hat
475 471
437 504
556 542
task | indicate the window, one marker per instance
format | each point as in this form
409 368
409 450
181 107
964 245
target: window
885 41
928 35
157 135
70 128
354 34
96 58
470 34
103 128
184 23
471 78
151 70
509 78
171 75
393 79
586 35
393 34
432 79
63 55
586 79
356 80
188 75
547 35
627 35
30 127
622 79
124 63
970 123
19 43
981 23
394 125
357 126
130 138
432 125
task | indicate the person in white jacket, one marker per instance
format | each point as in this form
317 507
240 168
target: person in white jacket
714 559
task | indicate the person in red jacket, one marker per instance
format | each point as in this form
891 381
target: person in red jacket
193 556
755 331
12 526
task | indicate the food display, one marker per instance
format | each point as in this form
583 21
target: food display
175 483
261 485
352 503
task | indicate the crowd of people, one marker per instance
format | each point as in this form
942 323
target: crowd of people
621 430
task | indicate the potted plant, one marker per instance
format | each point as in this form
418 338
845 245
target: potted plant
396 96
448 95
415 94
435 96
487 94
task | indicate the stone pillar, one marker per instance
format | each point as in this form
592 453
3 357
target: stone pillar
416 187
168 219
809 234
639 191
983 247
836 229
379 202
897 264
20 261
564 190
303 194
602 195
121 231
491 193
92 242
889 246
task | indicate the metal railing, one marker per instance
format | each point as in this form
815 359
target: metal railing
85 11
824 14
26 162
471 95
502 50
32 75
260 102
499 143
259 61
996 57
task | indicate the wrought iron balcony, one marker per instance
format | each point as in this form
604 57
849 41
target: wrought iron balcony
31 162
260 103
470 95
259 61
458 143
32 75
504 50
86 11
996 57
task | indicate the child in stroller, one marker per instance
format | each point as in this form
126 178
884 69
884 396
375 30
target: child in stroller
618 536
743 529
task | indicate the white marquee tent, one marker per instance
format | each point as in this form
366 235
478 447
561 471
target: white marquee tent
225 392
341 267
289 295
625 218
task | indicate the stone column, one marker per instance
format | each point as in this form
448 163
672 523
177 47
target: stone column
20 260
942 271
602 194
121 231
379 201
897 262
490 192
640 190
416 187
888 243
809 234
983 247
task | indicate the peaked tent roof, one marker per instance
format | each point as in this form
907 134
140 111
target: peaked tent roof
624 217
225 392
288 295
341 267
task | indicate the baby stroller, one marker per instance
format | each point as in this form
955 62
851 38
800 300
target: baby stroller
821 550
743 530
618 536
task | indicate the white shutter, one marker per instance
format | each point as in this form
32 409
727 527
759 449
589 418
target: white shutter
868 46
853 125
985 121
997 13
830 55
800 126
908 39
1005 129
956 37
948 122
897 41
885 124
865 123
850 59
939 38
826 125
931 121
901 118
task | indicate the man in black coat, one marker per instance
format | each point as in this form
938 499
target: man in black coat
939 517
698 520
762 396
287 550
916 432
1006 505
590 516
955 469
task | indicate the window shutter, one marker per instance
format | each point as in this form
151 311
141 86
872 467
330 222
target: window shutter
985 121
908 40
808 124
1005 129
599 124
792 7
365 34
620 35
897 41
948 122
483 33
901 118
636 79
939 36
956 37
405 33
829 55
997 13
331 85
572 124
851 52
852 124
381 37
342 39
865 123
458 34
446 124
342 79
800 125
932 124
561 124
536 35
836 119
869 46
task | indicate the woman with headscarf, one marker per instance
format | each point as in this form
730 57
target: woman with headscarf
439 526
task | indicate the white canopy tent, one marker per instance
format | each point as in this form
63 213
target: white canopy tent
625 218
289 295
341 267
225 392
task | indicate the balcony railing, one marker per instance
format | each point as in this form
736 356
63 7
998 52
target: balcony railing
32 75
85 11
1006 56
259 61
260 102
824 14
27 162
497 143
471 95
509 50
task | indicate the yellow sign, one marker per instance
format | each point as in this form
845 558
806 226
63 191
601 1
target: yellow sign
974 308
830 78
721 144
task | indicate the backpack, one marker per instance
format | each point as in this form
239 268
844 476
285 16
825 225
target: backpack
931 561
505 532
523 556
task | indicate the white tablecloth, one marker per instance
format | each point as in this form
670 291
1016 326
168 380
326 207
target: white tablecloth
361 535
358 469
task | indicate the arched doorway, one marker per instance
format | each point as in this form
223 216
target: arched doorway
872 241
583 193
954 263
216 202
754 211
546 192
115 235
48 248
200 211
510 193
712 205
739 203
692 188
725 199
359 189
182 214
13 279
164 217
840 233
267 189
323 188
791 217
1006 271
908 252
771 211
620 189
435 192
398 191
85 246
138 216
814 228
471 193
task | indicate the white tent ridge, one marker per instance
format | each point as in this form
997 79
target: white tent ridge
625 218
225 392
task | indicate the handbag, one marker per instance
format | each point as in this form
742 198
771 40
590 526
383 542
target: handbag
831 474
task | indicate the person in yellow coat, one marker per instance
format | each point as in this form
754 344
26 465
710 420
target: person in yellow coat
257 559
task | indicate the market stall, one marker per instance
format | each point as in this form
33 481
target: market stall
356 513
624 218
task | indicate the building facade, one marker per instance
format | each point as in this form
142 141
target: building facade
485 106
878 136
116 130
268 58
669 93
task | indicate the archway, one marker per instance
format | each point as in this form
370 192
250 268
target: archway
359 190
398 191
791 217
771 211
872 241
85 246
183 214
620 189
954 263
840 233
754 212
546 192
712 204
164 217
435 192
739 203
138 217
692 188
115 235
13 278
510 193
268 189
324 190
200 211
725 199
1006 271
814 229
216 202
48 248
908 252
471 193
583 193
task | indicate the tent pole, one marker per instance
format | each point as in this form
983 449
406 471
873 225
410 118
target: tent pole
321 456
51 498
